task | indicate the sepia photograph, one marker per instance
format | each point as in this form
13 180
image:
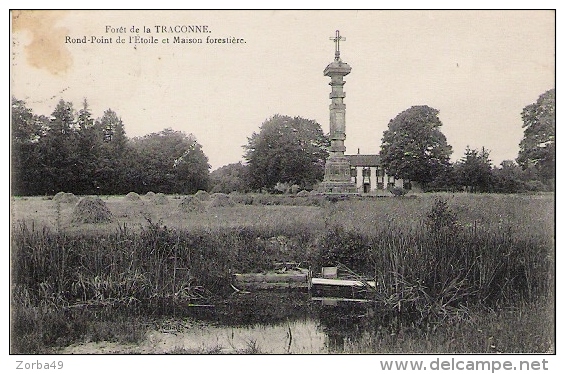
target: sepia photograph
281 182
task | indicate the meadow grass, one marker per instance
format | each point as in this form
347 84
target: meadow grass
438 259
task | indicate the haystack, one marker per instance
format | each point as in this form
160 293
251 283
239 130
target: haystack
192 204
91 209
303 193
160 199
59 196
133 196
65 197
220 199
202 195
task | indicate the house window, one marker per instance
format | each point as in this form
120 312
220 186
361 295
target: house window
380 172
353 175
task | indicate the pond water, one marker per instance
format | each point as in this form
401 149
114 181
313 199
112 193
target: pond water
261 322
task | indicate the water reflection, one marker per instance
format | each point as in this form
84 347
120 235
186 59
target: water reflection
344 322
260 322
290 322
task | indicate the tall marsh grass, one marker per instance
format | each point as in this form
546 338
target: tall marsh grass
434 265
434 258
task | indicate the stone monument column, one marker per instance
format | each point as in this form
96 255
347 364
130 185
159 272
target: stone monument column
337 176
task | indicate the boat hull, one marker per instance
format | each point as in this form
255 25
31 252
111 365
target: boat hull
349 289
292 279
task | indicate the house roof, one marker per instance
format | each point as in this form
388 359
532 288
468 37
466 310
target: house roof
364 160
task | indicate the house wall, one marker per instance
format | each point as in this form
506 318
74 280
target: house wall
374 179
359 181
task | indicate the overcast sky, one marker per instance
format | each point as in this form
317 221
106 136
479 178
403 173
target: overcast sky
478 68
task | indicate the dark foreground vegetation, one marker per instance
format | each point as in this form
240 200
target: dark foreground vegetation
455 267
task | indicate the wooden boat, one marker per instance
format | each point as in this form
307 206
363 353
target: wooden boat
342 283
286 278
348 286
333 301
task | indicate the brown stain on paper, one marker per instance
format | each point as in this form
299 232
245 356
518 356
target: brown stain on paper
47 48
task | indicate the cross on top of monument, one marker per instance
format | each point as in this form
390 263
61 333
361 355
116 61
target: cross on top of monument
336 40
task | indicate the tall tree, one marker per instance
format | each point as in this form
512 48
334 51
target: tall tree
169 161
474 170
111 173
414 147
191 169
84 158
228 178
288 150
509 178
26 158
537 147
58 147
26 128
111 128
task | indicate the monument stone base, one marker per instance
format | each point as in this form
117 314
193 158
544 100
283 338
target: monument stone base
339 188
337 178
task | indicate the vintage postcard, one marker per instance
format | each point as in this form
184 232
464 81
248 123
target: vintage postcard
284 182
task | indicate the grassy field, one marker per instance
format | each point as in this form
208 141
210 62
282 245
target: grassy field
458 261
135 215
529 213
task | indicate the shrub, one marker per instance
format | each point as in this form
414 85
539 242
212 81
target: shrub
535 186
349 248
398 191
441 217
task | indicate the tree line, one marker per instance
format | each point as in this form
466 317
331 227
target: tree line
414 148
72 152
290 152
